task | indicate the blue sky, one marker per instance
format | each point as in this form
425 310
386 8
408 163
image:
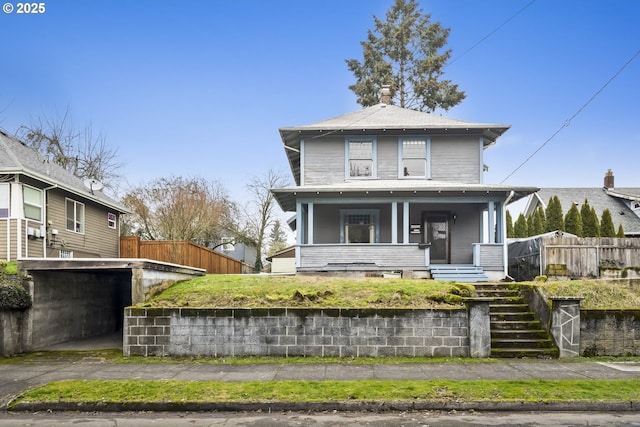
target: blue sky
200 88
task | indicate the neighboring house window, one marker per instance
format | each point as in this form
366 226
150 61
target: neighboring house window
75 216
111 220
414 157
32 203
361 158
359 226
4 200
227 244
65 253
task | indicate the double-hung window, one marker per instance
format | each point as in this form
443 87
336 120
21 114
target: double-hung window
32 201
414 157
361 158
75 216
4 200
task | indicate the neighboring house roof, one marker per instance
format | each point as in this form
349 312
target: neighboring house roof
286 197
381 118
599 199
18 158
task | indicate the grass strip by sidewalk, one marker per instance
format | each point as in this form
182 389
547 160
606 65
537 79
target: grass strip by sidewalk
108 391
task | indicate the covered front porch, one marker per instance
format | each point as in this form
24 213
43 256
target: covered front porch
400 235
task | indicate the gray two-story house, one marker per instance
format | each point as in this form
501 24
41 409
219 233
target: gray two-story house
393 190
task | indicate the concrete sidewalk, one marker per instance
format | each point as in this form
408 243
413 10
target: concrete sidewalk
29 373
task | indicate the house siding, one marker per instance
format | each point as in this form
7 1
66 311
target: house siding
456 159
324 161
388 157
98 240
4 235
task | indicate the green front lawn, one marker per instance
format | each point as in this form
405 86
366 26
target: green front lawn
317 391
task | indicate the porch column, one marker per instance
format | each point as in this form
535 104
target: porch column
299 233
394 223
491 211
405 222
310 223
500 224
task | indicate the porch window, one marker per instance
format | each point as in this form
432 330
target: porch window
75 216
359 226
4 200
414 158
361 162
32 203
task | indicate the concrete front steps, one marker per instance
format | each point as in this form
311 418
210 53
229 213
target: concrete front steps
515 331
458 273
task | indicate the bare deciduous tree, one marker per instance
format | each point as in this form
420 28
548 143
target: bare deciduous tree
260 213
78 151
178 208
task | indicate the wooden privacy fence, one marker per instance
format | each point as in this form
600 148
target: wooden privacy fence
180 252
589 256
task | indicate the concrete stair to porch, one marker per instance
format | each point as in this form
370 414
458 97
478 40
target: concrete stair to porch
515 331
458 273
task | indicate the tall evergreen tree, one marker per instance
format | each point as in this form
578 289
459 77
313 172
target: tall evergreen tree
406 52
590 226
620 233
606 224
553 215
573 221
509 220
520 228
538 222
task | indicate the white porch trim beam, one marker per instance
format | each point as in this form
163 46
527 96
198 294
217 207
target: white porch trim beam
310 223
394 223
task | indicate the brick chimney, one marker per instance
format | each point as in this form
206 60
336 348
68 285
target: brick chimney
385 94
608 179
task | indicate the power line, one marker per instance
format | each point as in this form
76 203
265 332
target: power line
568 121
489 34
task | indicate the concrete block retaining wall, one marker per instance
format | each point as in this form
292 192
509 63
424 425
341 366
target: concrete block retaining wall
610 333
295 332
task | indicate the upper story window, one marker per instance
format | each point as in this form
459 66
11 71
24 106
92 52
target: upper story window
414 158
4 200
32 203
75 216
361 161
111 220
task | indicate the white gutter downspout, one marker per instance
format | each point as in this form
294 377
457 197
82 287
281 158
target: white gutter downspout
44 216
505 250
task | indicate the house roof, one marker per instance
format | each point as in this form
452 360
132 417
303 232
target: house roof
405 188
599 199
18 158
382 118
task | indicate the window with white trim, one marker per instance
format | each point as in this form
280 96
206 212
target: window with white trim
32 201
75 216
361 158
359 226
111 220
228 244
65 253
4 200
414 157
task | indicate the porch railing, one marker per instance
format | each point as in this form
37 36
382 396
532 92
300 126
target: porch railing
387 256
489 256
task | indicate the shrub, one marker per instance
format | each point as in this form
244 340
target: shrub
14 297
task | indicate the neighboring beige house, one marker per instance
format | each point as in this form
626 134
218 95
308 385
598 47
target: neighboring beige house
46 212
283 262
388 189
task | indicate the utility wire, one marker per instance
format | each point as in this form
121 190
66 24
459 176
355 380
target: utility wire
479 42
568 121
